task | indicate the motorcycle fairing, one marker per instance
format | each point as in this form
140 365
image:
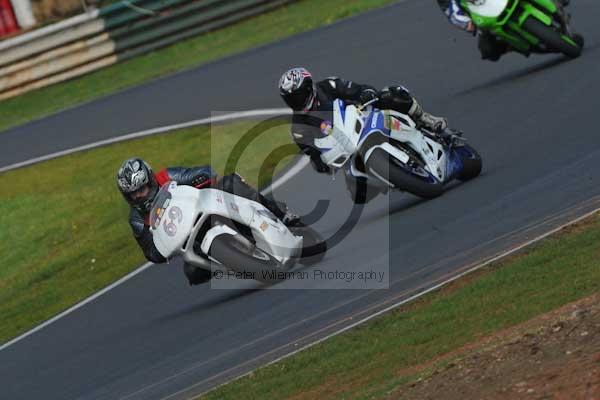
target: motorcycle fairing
196 206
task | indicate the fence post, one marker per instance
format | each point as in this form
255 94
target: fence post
24 13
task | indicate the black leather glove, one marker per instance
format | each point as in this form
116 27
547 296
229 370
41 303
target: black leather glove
367 95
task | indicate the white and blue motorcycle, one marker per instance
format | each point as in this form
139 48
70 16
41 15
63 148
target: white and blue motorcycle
386 149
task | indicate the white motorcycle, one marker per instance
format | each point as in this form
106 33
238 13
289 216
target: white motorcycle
206 226
386 149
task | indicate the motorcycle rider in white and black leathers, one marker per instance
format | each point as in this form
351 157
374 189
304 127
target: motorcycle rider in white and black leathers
139 186
312 102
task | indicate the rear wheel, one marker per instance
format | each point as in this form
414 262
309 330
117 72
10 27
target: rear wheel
382 164
553 39
314 246
239 255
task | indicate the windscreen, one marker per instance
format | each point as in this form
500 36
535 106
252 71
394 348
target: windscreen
161 202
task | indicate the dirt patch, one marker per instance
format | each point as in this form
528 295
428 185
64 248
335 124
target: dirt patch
554 356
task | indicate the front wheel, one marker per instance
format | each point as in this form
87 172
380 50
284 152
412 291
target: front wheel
381 164
552 38
245 258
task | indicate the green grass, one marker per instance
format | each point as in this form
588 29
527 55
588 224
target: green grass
64 224
371 361
284 22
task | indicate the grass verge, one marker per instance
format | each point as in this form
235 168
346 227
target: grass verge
64 224
281 23
375 359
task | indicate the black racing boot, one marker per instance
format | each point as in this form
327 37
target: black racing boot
280 210
424 119
451 137
291 219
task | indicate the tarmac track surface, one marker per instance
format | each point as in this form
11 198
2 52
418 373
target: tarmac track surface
533 121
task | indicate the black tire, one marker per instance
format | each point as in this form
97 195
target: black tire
235 255
551 38
314 246
471 161
361 192
383 165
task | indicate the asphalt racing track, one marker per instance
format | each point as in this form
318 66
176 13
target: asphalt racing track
534 121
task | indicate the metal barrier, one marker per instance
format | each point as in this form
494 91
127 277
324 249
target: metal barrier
103 37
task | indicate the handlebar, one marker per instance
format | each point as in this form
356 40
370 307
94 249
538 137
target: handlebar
368 103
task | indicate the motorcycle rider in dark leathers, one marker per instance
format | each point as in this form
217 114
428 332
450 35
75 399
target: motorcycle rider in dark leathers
139 186
312 103
490 47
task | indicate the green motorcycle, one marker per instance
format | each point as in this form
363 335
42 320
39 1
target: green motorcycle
528 26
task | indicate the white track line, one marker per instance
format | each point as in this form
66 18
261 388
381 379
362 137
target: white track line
301 163
289 174
76 306
389 308
267 112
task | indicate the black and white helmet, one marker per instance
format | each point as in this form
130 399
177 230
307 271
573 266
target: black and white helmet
137 184
297 89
